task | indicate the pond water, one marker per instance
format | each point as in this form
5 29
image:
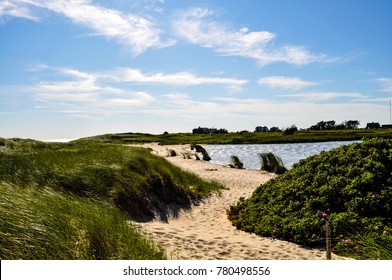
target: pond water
289 153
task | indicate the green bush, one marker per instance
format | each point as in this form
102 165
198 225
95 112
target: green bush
350 186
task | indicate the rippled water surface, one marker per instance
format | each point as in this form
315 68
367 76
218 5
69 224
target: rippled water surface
289 153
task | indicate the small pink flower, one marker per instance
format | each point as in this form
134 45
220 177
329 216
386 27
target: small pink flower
373 196
325 215
356 248
385 232
322 219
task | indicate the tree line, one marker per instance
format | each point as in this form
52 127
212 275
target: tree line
325 125
329 125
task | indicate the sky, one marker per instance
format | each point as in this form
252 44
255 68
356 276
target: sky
76 68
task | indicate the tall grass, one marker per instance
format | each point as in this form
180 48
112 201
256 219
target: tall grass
236 163
45 224
202 150
72 201
135 180
271 163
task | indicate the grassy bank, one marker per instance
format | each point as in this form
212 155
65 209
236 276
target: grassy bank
47 224
244 138
100 180
351 187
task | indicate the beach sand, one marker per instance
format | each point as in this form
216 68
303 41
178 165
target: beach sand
205 233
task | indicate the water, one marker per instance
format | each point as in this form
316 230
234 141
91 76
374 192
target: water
289 153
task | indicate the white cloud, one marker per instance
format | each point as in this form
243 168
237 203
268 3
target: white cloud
193 25
287 83
176 79
131 30
386 84
325 96
81 82
13 9
81 92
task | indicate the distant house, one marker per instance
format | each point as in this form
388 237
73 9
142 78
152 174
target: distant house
387 126
261 129
204 130
373 125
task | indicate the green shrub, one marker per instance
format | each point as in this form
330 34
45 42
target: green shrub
350 186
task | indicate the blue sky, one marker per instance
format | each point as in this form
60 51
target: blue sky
74 68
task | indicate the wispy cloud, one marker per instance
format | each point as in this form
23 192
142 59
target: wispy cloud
386 84
133 31
177 79
286 83
15 9
325 96
76 82
81 92
195 26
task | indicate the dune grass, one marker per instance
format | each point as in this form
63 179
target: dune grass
236 163
272 163
76 193
46 224
132 178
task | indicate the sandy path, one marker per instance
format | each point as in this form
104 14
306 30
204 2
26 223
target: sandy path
205 233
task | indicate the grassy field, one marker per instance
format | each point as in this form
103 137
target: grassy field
72 201
244 138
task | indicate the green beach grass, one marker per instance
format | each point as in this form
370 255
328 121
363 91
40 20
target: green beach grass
47 224
72 201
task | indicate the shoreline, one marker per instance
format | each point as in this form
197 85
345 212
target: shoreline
204 232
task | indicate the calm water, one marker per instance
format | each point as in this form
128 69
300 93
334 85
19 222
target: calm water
289 153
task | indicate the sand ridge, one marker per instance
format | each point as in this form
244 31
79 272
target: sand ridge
204 232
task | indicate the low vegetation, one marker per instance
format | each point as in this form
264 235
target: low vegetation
102 179
236 163
244 137
350 186
47 224
200 149
272 163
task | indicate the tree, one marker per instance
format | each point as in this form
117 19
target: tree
323 125
290 130
330 125
352 124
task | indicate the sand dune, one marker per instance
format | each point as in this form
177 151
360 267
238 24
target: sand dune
205 233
